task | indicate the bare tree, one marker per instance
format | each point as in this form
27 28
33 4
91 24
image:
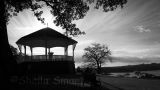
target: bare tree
96 55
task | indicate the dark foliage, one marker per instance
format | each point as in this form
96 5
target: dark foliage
65 11
15 52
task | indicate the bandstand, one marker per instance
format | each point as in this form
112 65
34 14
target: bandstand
48 63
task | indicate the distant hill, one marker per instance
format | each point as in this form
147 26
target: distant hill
132 68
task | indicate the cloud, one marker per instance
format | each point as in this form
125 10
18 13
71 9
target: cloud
142 29
131 52
136 60
85 42
148 52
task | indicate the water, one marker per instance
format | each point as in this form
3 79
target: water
154 72
132 74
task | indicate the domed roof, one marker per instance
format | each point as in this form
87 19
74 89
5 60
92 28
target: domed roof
46 37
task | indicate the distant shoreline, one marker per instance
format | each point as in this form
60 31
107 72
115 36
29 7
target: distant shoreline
132 68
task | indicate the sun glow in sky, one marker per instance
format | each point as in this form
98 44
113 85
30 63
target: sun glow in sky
132 33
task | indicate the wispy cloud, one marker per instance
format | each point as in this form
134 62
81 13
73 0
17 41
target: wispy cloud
136 59
137 52
85 42
141 29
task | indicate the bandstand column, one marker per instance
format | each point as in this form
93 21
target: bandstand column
49 50
66 50
46 52
31 52
46 49
20 48
24 52
73 48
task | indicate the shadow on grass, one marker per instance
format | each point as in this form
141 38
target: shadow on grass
48 87
50 82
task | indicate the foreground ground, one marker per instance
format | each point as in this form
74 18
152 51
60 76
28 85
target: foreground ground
121 83
51 82
107 83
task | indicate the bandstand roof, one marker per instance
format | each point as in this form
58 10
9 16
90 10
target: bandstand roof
46 37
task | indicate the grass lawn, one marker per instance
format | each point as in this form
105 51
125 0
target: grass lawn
131 83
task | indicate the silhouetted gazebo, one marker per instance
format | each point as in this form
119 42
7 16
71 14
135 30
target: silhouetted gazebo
48 38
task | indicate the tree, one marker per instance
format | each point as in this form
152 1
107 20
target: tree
96 55
65 12
15 52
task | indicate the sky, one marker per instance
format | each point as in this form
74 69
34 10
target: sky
131 33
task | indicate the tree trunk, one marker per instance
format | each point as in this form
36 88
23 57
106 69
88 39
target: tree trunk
7 64
98 67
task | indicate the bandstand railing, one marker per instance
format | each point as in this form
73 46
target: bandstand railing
36 58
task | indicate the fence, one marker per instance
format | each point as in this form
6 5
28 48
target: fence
37 58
